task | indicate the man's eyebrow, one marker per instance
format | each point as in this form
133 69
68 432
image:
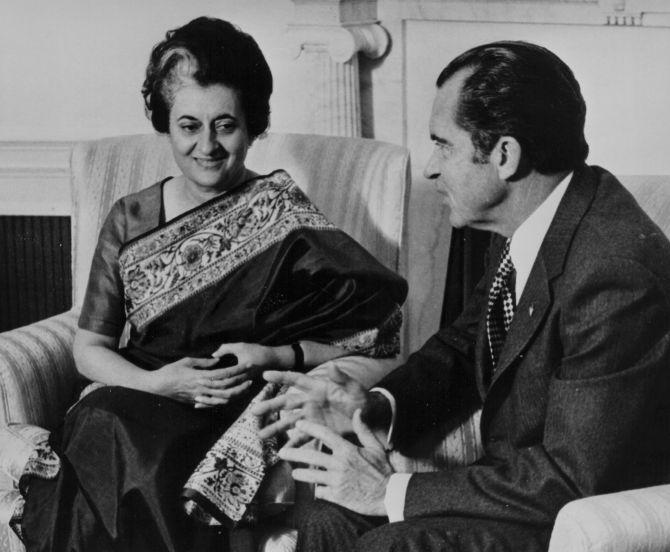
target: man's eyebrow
439 140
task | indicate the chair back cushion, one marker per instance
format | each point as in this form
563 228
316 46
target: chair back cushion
653 195
361 185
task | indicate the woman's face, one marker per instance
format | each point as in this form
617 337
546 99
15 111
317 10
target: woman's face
208 133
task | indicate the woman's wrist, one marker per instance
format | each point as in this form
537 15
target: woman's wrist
284 357
289 357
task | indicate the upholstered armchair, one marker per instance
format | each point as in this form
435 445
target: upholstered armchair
361 185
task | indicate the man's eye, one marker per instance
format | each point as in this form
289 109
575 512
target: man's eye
443 149
189 128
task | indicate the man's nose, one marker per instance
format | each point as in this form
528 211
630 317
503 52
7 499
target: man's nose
431 170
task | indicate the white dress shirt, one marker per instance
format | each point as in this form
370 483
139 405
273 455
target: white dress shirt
524 247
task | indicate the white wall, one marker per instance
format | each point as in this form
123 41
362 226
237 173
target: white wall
72 69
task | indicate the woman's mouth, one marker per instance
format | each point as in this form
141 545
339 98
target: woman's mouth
209 162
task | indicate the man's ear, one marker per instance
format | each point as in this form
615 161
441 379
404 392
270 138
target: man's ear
506 157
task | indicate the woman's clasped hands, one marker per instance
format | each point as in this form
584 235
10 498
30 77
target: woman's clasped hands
200 382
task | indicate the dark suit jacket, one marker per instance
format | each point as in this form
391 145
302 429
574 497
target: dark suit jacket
580 401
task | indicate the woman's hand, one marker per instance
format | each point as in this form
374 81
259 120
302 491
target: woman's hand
193 380
255 358
252 360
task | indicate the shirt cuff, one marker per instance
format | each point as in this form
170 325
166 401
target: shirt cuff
391 399
394 499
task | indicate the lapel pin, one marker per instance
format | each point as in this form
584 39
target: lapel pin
530 310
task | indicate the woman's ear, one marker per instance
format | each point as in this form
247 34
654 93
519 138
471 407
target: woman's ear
506 156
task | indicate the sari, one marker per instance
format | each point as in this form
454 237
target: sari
257 264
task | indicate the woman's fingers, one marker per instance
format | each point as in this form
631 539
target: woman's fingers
229 372
228 349
227 382
199 362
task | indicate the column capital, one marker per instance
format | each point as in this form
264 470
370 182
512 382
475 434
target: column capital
341 42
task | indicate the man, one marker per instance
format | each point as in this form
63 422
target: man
565 342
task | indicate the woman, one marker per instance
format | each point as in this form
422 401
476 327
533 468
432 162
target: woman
219 273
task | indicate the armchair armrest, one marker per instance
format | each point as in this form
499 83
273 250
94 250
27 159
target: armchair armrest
37 371
628 521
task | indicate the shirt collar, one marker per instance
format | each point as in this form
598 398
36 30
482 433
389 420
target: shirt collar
528 237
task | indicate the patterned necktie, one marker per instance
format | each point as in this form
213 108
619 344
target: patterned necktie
501 305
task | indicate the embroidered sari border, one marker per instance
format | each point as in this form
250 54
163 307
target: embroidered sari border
197 250
382 341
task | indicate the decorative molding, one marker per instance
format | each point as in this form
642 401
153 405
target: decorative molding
35 178
646 13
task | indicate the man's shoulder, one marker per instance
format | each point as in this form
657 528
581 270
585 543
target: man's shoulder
615 226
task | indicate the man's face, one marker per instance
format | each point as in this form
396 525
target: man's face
471 189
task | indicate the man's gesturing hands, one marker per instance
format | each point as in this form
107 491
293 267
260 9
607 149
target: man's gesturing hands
330 401
352 476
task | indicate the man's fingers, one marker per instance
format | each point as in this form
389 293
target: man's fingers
331 439
307 475
309 456
295 379
365 435
283 402
279 426
297 439
336 375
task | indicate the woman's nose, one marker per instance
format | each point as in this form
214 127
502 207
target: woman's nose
432 169
207 142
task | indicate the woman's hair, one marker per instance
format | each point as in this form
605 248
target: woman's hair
208 51
522 90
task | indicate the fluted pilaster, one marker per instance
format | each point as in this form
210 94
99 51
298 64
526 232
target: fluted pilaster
328 48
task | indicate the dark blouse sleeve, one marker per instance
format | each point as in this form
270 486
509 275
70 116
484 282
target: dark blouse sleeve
103 311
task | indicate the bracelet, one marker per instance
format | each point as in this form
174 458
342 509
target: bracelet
299 363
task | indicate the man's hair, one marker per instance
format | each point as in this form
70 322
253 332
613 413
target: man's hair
208 51
525 91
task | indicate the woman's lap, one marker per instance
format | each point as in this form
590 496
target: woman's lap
125 456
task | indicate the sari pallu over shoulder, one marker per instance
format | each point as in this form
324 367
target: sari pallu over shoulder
263 265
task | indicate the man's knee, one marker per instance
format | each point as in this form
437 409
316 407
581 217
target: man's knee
408 536
317 514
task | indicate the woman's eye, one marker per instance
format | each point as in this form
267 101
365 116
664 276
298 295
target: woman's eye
226 128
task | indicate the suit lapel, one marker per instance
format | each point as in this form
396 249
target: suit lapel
537 296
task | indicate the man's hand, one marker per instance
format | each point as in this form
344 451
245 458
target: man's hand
353 477
327 401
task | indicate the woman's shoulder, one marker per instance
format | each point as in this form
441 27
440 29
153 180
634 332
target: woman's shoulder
138 212
151 196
